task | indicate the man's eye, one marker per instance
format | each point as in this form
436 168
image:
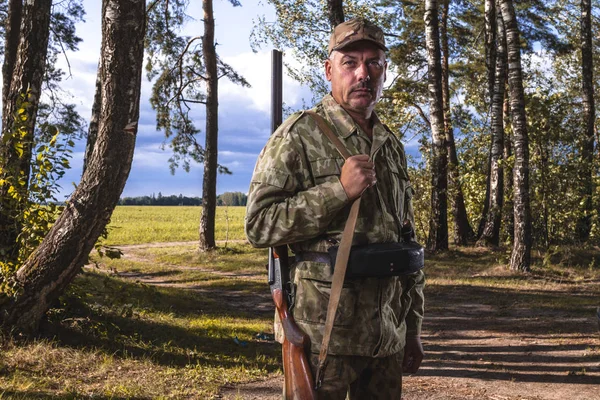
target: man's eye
349 63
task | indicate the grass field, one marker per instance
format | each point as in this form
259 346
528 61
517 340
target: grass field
154 224
168 322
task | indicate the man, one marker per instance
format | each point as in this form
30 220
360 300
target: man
300 195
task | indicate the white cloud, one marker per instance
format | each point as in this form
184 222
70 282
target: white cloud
236 154
256 69
150 156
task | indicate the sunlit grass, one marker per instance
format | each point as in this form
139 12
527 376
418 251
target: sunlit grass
235 257
148 224
117 338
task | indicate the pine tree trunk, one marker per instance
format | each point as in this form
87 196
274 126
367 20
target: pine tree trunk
544 156
209 187
11 44
521 253
335 12
462 228
438 223
584 222
27 74
60 256
490 234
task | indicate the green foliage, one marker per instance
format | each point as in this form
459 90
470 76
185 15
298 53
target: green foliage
232 199
160 200
33 199
54 110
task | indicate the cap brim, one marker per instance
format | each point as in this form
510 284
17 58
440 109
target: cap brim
350 42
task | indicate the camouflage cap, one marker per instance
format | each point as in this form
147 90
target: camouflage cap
354 30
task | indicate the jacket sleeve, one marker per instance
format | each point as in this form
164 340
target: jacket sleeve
283 204
414 318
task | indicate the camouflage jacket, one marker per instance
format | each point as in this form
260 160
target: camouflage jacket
296 198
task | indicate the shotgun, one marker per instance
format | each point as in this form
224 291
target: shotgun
299 383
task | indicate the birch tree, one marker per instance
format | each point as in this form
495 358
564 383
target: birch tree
521 252
491 230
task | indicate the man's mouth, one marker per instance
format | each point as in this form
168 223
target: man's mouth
362 89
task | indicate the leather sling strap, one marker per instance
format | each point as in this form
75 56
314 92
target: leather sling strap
342 256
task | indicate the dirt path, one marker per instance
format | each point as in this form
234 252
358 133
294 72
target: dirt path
476 349
466 363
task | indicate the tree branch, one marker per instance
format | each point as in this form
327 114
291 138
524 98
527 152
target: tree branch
63 50
422 114
151 6
193 101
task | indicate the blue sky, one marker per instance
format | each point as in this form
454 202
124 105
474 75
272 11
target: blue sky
244 113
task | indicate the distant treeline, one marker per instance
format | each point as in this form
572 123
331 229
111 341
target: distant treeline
225 199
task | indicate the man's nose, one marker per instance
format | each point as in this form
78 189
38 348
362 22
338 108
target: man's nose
362 72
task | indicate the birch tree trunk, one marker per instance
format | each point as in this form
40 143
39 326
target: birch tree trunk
490 234
335 12
491 21
438 223
27 74
490 31
508 209
60 256
521 253
209 186
584 222
462 228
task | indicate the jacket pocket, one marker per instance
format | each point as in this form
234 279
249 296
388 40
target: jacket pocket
399 179
312 299
273 177
326 169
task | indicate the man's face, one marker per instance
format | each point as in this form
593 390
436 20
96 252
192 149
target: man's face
357 73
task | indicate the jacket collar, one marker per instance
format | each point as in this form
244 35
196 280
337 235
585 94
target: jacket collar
339 118
345 126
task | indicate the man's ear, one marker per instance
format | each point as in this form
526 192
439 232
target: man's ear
328 68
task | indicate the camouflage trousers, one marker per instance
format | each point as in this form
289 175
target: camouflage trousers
360 378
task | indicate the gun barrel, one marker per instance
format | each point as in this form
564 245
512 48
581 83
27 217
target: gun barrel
271 267
276 89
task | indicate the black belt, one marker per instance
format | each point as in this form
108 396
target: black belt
313 256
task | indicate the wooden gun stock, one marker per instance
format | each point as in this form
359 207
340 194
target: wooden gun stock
299 382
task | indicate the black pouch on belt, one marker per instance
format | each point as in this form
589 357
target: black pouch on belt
380 260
